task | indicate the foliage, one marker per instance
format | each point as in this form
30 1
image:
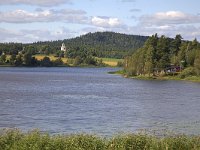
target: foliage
35 140
190 71
99 44
46 62
81 50
58 62
3 58
161 53
77 61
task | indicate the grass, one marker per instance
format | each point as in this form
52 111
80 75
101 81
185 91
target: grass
111 61
51 57
35 140
108 61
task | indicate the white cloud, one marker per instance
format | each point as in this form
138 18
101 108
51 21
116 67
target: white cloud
27 36
64 15
106 22
35 2
170 17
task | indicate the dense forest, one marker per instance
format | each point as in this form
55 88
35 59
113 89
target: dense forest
99 44
165 56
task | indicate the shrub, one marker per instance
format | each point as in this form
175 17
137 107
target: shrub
120 64
190 71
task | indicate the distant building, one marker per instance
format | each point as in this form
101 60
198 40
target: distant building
63 47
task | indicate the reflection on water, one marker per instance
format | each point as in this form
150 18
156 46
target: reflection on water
72 100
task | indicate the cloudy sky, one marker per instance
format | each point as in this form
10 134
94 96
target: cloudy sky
41 20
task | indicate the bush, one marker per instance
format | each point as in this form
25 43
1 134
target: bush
190 71
90 61
120 64
58 62
46 62
77 61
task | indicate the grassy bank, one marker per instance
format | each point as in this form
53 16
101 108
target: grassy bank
35 140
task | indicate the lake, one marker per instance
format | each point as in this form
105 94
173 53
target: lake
89 100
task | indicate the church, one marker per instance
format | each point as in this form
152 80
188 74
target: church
63 47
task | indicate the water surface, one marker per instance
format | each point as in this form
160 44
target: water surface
74 100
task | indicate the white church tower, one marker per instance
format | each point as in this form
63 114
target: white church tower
63 47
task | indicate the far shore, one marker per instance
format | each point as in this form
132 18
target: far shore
166 77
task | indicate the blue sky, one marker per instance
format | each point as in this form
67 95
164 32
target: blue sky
41 20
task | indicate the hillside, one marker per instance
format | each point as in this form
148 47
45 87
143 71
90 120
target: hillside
101 44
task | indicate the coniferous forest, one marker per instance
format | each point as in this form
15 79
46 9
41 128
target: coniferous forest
165 56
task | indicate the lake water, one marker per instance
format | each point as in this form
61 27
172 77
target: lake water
89 100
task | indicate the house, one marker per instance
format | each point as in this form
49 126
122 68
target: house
173 69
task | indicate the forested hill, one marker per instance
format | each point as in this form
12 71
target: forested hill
109 43
101 44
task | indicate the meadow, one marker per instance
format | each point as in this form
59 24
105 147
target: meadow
108 61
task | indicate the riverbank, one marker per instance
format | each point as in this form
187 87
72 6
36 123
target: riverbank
190 78
15 139
166 77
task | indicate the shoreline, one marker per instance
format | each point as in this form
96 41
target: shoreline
80 66
159 78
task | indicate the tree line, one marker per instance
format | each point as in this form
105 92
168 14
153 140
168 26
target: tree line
160 53
27 58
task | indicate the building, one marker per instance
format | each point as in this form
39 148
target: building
173 69
63 47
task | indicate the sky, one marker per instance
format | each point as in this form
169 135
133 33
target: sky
41 20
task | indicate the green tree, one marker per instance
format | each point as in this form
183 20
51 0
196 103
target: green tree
197 63
46 62
19 60
175 44
12 59
27 58
90 61
58 62
3 58
77 61
163 55
149 60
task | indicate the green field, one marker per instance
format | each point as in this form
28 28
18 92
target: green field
111 61
35 140
108 61
52 57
